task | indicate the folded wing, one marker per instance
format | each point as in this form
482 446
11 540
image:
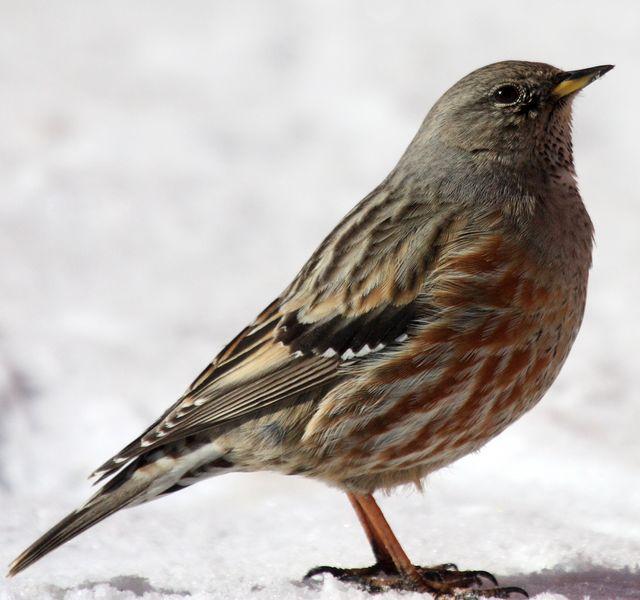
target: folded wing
356 297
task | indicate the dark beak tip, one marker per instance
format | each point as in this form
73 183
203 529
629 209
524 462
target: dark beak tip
594 72
604 69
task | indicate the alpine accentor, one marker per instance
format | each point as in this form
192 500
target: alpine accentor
436 313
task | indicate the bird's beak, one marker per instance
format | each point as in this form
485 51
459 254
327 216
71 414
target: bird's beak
573 81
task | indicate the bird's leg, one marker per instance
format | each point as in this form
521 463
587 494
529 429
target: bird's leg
384 560
392 564
394 570
384 543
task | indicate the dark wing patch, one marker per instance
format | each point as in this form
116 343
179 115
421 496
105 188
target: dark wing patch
375 329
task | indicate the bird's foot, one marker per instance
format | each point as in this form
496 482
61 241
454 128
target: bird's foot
443 581
376 578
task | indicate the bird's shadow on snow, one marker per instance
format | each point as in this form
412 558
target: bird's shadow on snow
139 586
596 583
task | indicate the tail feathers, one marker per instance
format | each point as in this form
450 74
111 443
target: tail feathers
145 478
99 507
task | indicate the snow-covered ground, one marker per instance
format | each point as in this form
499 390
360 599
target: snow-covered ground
166 167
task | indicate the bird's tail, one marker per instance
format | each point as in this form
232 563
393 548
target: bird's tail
147 477
100 506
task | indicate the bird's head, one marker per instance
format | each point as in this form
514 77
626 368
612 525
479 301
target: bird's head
511 111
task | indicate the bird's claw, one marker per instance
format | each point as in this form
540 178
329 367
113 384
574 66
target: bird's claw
452 576
443 581
496 592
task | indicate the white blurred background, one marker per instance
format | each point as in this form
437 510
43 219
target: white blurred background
165 169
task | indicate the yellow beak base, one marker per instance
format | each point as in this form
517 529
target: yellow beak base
564 88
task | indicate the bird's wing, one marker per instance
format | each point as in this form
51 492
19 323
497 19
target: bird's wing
355 297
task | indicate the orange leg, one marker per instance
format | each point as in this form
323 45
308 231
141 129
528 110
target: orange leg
385 545
383 558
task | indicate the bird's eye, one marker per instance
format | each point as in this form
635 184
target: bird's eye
507 94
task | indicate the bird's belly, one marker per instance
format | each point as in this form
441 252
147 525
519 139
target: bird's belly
461 382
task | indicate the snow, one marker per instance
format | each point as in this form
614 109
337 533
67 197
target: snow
165 169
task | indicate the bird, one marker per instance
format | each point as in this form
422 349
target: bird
436 313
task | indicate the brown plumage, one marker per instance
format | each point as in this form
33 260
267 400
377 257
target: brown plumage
434 315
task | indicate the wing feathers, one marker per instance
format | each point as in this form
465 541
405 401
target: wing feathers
284 383
356 296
